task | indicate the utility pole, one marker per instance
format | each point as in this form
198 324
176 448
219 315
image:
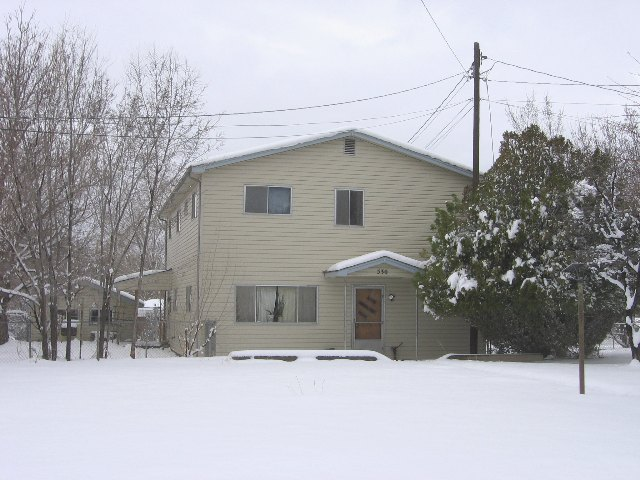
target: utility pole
476 114
473 332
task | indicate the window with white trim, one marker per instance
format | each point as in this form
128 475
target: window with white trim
276 304
267 199
178 221
350 207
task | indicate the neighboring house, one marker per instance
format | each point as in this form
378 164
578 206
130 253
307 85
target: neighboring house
85 312
310 244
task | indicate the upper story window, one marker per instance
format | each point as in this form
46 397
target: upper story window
350 207
178 225
267 199
169 228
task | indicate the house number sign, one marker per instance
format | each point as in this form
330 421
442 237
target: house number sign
383 271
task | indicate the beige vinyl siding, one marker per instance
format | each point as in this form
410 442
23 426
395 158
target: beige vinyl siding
182 258
400 197
89 294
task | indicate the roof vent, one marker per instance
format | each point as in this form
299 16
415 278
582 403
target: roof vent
349 146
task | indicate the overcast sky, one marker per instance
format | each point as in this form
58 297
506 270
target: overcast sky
264 55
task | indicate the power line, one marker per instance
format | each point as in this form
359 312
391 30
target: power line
424 125
580 119
250 137
566 84
493 152
571 103
578 82
464 70
435 139
302 124
254 112
446 134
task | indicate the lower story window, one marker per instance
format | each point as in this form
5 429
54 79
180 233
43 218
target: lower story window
276 304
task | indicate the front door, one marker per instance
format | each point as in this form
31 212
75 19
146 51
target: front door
368 318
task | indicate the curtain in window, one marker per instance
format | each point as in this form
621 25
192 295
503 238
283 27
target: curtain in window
245 304
276 304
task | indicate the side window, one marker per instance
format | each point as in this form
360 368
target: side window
350 207
267 199
178 220
169 228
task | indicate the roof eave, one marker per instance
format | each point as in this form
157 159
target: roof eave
344 272
201 168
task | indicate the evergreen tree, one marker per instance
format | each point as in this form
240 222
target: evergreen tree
498 256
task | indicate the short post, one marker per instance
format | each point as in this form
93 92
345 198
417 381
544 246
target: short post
577 272
581 334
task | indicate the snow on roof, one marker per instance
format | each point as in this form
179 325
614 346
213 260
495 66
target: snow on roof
129 276
374 258
96 283
305 140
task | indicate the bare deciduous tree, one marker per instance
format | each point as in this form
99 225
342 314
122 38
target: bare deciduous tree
170 97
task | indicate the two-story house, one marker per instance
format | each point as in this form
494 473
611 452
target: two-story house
309 244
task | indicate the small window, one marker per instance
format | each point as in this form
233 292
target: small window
94 315
178 220
187 299
349 146
169 228
267 199
350 207
194 205
276 304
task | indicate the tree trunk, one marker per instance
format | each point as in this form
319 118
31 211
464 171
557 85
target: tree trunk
4 325
4 321
44 326
53 321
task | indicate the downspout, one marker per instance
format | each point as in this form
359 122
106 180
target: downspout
163 311
199 219
345 313
417 316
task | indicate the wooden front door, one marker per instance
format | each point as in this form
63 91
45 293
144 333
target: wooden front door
368 318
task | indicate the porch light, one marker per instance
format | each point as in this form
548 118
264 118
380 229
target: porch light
391 297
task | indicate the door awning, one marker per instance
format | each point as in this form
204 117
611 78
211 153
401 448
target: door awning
382 262
151 280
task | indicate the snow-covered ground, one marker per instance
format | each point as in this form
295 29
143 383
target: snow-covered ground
16 351
168 418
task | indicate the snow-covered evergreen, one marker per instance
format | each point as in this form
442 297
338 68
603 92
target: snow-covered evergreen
499 255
